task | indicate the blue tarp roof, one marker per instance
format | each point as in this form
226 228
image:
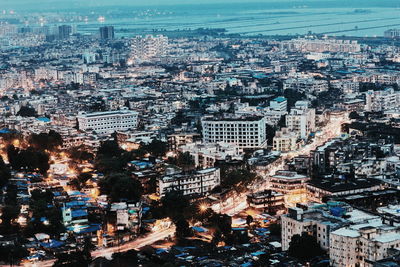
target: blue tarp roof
79 213
258 253
199 229
279 99
44 119
52 244
75 203
4 131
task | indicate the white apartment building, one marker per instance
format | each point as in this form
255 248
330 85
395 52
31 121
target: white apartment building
245 132
145 48
392 33
109 121
346 86
319 221
313 222
301 119
200 182
285 140
321 45
205 155
306 84
278 104
362 244
382 100
287 182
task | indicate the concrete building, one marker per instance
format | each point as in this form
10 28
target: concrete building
245 132
301 119
200 182
278 104
362 244
108 122
320 221
106 32
382 100
205 155
285 140
268 200
148 47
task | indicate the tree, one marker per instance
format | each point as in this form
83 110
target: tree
354 115
156 148
109 148
5 174
76 258
304 247
249 220
80 154
27 111
275 229
28 159
174 204
46 141
182 228
185 161
121 186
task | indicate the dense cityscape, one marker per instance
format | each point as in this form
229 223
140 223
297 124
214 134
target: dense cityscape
196 147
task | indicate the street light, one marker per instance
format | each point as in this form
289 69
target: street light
203 207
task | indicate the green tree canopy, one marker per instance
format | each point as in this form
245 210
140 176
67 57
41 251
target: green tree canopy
304 247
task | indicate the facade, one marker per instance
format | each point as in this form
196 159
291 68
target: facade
176 140
245 132
301 119
382 100
145 48
285 140
392 33
267 200
106 32
199 182
108 122
287 181
316 223
321 45
126 215
279 104
361 245
205 155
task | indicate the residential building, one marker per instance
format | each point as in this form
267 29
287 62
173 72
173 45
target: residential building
199 182
245 132
109 121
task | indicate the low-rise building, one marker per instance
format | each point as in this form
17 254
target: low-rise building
200 182
108 122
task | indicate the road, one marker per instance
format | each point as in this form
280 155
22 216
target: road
232 205
107 252
237 203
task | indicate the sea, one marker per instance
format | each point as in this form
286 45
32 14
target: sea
366 18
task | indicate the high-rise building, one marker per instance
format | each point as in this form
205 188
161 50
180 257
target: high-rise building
64 31
106 32
245 132
392 33
301 119
145 48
